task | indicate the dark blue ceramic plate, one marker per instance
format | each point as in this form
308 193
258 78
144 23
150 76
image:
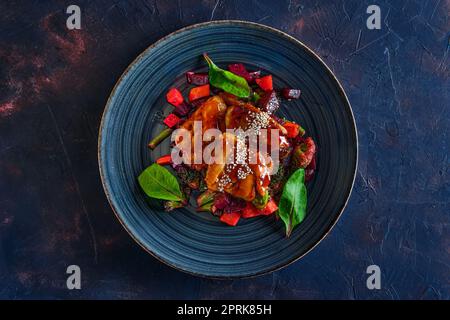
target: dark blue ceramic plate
197 242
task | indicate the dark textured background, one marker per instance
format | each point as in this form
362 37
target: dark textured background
54 84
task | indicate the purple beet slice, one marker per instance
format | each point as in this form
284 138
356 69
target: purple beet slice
289 93
239 69
310 170
269 102
197 103
183 109
198 79
255 75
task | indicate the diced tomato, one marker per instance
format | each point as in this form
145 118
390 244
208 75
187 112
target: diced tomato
293 129
199 92
171 120
250 210
270 208
174 97
230 218
164 160
265 83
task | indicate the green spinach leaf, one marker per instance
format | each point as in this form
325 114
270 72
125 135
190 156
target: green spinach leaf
292 206
226 80
157 182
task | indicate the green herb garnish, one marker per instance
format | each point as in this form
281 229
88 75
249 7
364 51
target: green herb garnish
260 202
292 206
157 182
226 80
160 138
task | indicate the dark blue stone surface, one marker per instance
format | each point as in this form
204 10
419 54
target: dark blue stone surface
53 87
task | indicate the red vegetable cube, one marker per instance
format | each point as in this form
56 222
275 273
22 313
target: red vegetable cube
310 169
270 208
164 160
265 83
197 79
289 93
269 102
251 211
239 70
230 218
183 109
199 92
174 97
172 120
255 75
293 129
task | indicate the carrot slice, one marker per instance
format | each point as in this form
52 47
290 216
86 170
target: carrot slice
265 83
164 160
199 92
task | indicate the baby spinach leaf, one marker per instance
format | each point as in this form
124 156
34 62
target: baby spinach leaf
226 80
292 206
157 182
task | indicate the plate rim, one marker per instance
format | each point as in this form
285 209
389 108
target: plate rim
247 24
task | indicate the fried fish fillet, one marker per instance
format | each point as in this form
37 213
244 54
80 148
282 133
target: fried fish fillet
210 114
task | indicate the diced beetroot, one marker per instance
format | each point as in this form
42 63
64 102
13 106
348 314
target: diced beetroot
269 102
227 203
197 103
310 170
278 119
265 83
221 201
172 120
182 109
309 174
230 218
164 160
289 93
303 154
312 165
199 92
255 75
198 79
235 205
174 97
239 69
299 139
